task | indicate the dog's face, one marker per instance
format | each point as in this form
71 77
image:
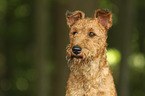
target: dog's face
87 35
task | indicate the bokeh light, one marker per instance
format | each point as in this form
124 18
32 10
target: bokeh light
113 56
137 61
22 84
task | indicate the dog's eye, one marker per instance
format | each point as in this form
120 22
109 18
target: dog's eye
91 34
74 33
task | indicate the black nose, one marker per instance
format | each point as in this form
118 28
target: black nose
76 50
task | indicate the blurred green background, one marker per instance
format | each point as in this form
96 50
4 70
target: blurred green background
34 34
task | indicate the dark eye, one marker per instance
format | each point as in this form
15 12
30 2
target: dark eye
74 33
91 34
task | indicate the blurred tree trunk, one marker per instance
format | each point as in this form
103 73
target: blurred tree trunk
61 41
123 34
41 19
8 50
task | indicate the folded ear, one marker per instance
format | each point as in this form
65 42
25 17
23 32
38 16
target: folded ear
72 17
104 17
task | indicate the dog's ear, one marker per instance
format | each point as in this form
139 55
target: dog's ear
104 16
72 17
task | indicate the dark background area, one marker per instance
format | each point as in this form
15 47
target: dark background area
34 34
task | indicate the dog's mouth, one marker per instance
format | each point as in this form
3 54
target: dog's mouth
76 56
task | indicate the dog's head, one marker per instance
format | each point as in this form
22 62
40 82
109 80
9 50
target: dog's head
87 35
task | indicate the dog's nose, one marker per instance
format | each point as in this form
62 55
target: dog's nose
76 50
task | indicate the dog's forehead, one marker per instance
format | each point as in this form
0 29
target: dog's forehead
87 23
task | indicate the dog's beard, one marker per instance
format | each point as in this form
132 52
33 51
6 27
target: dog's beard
77 63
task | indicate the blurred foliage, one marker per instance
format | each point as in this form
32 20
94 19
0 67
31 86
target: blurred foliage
18 71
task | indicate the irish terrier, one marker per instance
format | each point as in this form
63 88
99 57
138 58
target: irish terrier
86 55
